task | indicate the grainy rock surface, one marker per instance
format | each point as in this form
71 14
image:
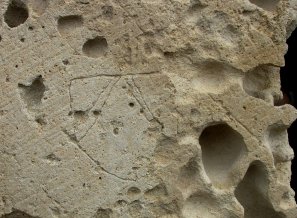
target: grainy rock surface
144 108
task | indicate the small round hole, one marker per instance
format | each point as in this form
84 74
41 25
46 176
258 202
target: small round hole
131 104
65 62
116 131
97 112
22 39
30 28
41 121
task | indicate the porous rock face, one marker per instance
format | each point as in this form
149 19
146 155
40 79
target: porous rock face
144 108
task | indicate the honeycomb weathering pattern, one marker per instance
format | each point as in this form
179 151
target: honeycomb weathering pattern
144 108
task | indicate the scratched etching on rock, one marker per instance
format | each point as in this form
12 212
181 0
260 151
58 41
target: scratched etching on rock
138 108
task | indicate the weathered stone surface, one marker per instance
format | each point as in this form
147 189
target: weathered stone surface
144 108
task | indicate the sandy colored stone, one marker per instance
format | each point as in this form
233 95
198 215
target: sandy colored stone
144 108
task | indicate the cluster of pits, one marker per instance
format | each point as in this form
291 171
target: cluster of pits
17 13
222 148
217 139
94 47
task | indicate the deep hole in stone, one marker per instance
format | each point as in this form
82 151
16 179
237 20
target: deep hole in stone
33 93
95 47
221 147
289 88
67 24
16 13
252 193
268 5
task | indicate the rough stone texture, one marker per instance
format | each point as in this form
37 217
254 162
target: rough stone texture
144 108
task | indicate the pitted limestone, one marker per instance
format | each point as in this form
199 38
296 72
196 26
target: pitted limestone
137 108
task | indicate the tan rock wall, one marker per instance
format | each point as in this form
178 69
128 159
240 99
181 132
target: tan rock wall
138 108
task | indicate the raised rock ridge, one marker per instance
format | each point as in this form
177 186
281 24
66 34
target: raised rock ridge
144 108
